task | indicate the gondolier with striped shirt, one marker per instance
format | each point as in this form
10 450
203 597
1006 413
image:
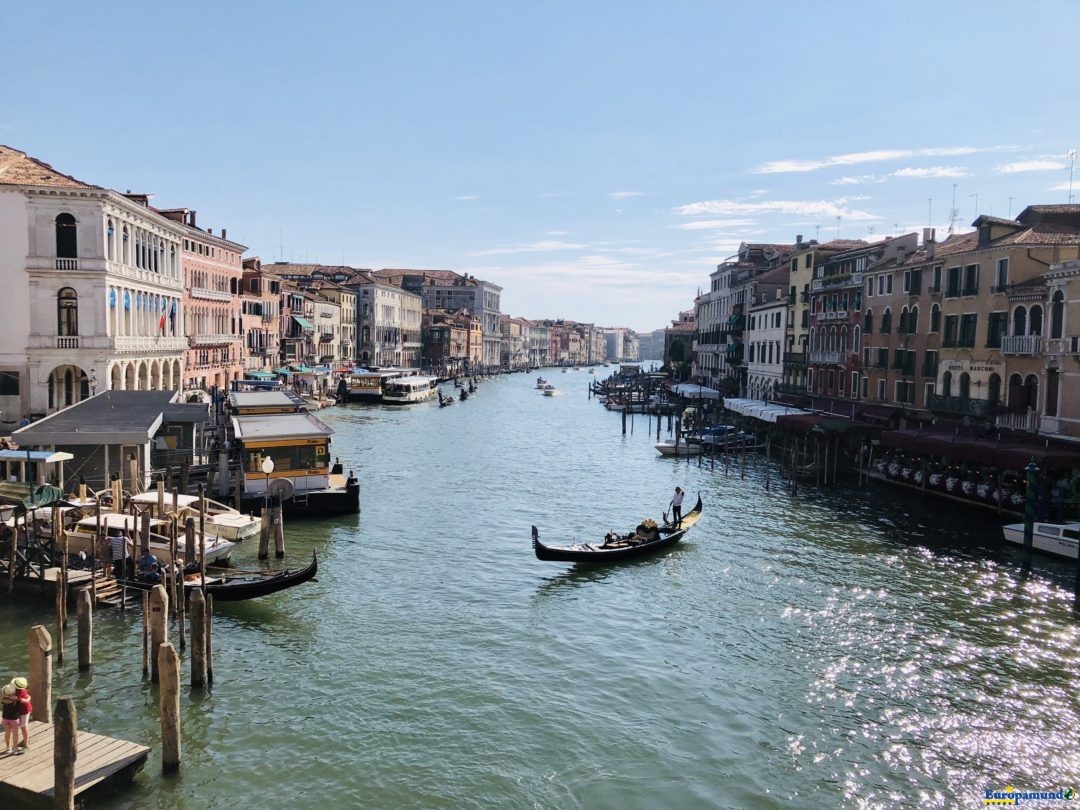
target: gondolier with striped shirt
676 506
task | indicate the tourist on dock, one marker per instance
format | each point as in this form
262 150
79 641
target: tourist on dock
351 480
10 713
149 570
337 469
676 506
25 708
121 550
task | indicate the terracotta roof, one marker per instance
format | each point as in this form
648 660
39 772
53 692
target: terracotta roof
19 169
1060 208
986 219
429 276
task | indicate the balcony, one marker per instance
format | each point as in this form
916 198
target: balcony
787 389
67 264
144 343
1026 420
67 343
961 406
212 340
210 295
833 316
826 358
795 359
1021 344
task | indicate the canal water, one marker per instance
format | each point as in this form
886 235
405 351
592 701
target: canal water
853 648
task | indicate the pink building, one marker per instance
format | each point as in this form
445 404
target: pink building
261 306
212 270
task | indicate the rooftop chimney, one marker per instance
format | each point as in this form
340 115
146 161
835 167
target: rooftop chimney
222 233
928 239
191 218
798 239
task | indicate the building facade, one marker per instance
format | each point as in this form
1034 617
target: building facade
260 313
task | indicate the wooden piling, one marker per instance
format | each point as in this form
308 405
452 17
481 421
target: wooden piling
279 532
59 598
145 633
768 450
624 420
209 639
12 557
168 665
39 672
202 538
65 749
264 534
85 613
198 638
160 498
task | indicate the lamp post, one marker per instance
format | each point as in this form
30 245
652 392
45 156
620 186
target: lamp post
268 467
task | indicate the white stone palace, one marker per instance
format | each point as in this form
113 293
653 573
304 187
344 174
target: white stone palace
93 293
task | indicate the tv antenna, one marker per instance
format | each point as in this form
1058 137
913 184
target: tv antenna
817 233
1010 206
976 196
1071 157
929 212
838 218
954 212
281 244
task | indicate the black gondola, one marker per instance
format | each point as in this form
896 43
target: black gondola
615 549
237 589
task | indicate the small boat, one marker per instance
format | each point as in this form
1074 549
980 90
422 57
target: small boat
224 521
550 391
565 369
540 383
668 448
1059 539
615 548
240 588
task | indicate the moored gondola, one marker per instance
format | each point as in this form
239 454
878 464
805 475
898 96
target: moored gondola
614 548
240 588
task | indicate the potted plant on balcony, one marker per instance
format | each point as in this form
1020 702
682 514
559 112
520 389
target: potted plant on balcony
952 480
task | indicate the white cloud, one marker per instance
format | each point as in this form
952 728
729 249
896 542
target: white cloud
818 208
558 233
709 224
625 195
1030 166
530 247
871 156
466 197
930 172
855 180
1065 187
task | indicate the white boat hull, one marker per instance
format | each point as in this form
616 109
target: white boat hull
667 449
1047 538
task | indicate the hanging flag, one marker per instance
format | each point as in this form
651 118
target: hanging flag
127 300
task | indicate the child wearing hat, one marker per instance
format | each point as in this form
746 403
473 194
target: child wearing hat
10 714
25 708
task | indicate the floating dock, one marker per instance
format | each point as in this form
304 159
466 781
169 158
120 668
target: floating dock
27 779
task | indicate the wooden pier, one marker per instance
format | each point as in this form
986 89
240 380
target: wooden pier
28 779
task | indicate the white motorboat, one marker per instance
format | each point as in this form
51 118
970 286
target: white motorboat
667 448
222 520
81 538
406 390
551 391
1059 539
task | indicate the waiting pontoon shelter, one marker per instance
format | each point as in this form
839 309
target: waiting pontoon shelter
112 432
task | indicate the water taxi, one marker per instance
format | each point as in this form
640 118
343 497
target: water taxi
222 520
1059 539
406 390
81 536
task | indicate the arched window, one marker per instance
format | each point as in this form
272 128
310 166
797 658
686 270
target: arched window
857 342
993 391
1019 321
935 318
886 321
66 247
1035 321
965 385
67 313
832 339
126 247
1031 391
903 321
1016 393
913 320
843 339
1057 314
946 384
868 321
110 241
1052 392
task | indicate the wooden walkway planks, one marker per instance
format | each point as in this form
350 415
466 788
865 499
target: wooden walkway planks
28 777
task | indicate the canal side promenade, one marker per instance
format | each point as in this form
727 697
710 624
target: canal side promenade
832 648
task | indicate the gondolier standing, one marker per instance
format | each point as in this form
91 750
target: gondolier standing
676 506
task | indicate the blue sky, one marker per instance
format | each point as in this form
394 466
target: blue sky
596 159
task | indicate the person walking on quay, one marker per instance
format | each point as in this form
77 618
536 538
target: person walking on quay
10 713
676 506
25 708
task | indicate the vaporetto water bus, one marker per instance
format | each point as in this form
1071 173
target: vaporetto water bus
406 390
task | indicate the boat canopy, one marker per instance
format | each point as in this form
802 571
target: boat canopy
692 391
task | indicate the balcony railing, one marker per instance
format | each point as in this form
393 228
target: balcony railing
67 264
963 406
791 390
210 295
213 340
827 358
67 343
795 359
1021 344
143 343
839 315
1027 419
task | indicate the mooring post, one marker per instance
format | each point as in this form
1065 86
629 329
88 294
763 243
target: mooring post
658 425
159 626
624 420
160 498
65 749
768 445
264 533
209 639
279 531
198 638
202 538
168 666
144 531
84 610
1029 510
145 633
39 673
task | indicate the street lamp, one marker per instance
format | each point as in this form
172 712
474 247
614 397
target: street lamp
268 467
